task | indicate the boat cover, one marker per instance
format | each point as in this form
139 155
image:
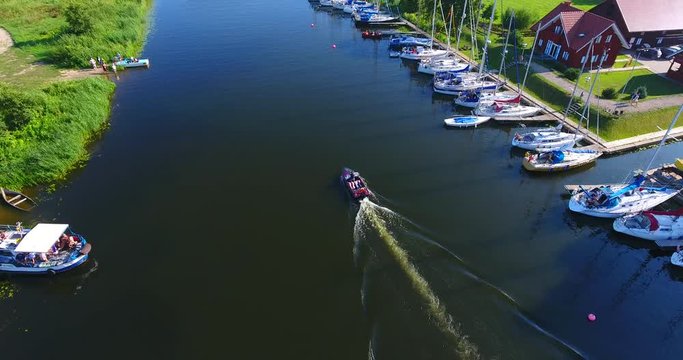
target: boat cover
41 238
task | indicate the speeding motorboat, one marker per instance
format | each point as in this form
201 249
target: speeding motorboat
43 249
355 185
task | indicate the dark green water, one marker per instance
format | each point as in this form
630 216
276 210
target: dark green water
220 230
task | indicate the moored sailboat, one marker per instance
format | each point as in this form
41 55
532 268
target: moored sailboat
652 225
559 160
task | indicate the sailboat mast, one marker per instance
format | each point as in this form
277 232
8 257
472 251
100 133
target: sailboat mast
450 27
531 56
671 126
433 23
462 22
586 109
486 42
576 85
505 47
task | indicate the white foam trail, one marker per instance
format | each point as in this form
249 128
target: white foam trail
368 217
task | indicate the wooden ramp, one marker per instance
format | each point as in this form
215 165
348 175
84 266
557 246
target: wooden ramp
17 200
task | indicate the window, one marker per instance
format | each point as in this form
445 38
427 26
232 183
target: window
608 38
659 40
632 40
540 43
558 29
565 55
639 41
604 58
598 38
594 58
583 59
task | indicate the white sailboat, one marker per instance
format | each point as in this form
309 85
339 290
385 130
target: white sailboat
420 52
559 160
624 199
652 225
505 111
464 121
542 140
471 99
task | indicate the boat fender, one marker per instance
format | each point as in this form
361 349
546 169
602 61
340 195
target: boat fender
86 249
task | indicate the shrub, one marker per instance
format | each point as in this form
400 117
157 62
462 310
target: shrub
523 19
571 73
609 93
641 90
79 20
18 108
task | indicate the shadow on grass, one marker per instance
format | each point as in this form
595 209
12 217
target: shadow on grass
656 85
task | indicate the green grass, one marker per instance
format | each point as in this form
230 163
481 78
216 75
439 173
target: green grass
63 117
46 123
634 124
39 28
656 85
541 7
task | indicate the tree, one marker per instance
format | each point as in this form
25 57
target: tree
486 11
78 18
523 18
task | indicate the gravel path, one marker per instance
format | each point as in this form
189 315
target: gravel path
609 105
5 40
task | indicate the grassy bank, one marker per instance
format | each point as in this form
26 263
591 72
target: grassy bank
46 131
40 28
45 122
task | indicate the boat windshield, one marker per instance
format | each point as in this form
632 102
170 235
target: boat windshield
639 221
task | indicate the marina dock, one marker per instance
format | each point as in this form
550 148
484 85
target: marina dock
549 114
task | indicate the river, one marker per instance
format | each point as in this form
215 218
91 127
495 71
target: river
219 229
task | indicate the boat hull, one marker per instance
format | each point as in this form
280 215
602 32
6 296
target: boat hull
677 259
531 165
465 121
624 208
49 270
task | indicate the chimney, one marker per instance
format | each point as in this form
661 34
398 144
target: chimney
568 2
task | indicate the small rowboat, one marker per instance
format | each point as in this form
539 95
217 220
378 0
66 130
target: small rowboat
465 121
371 34
132 63
355 185
559 160
44 249
17 200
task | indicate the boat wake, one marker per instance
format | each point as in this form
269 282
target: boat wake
380 219
376 222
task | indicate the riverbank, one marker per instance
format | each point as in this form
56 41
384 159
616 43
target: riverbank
49 109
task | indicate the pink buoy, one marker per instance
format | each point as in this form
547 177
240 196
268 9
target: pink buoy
592 317
334 46
312 25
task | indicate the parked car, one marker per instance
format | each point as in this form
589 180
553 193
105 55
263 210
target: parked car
651 53
671 51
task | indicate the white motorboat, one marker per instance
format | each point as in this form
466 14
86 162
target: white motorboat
615 201
132 63
464 121
505 111
559 160
44 249
326 3
545 140
433 65
420 52
471 99
652 225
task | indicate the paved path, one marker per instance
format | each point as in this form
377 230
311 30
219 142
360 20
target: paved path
5 40
609 105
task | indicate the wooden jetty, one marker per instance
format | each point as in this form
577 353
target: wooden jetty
17 200
668 244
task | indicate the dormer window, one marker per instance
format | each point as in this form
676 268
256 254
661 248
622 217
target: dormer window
558 29
598 38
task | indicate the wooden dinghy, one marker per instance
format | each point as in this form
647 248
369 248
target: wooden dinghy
17 200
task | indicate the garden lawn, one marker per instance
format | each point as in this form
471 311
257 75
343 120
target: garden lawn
542 7
634 124
656 85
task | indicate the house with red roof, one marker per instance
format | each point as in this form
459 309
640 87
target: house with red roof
567 33
653 22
